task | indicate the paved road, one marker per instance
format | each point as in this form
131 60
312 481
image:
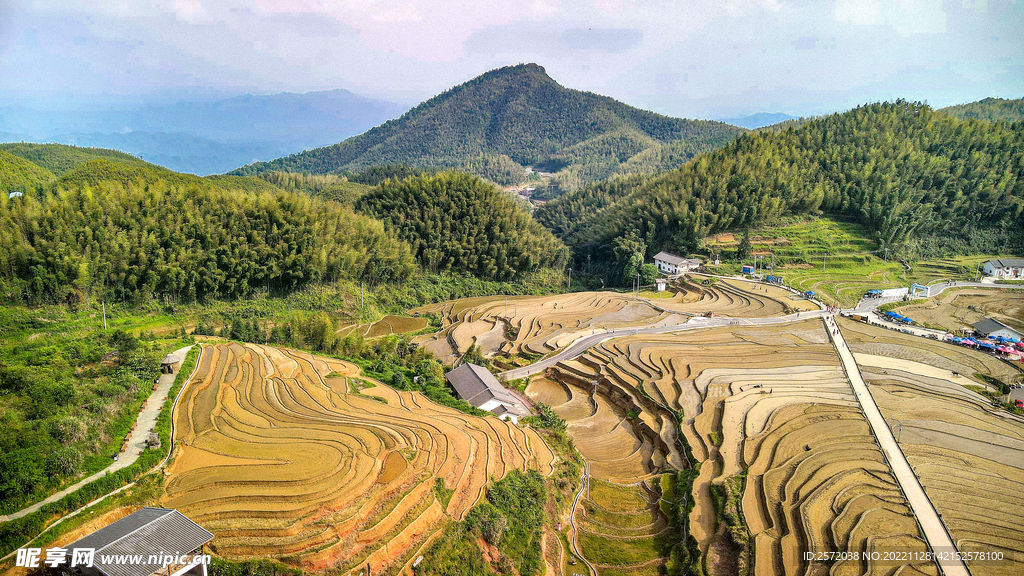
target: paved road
144 424
585 343
927 516
936 289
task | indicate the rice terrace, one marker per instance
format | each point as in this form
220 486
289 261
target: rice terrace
359 289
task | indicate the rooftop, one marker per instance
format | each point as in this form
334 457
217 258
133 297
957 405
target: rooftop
476 385
1007 262
989 325
144 532
670 258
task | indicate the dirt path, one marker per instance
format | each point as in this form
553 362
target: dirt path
928 518
136 441
584 478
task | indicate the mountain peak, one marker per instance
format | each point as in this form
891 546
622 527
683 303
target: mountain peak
506 119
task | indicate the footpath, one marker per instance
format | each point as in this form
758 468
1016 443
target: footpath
934 531
144 424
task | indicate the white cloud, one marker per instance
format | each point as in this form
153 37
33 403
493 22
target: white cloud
905 16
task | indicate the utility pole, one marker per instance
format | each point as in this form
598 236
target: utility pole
506 306
823 256
361 296
104 315
886 253
772 269
570 277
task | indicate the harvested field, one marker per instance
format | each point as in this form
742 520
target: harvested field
385 327
968 456
533 324
735 298
954 310
867 339
278 460
769 406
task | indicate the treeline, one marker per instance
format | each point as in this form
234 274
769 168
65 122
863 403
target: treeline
991 109
502 121
325 186
902 169
129 233
455 222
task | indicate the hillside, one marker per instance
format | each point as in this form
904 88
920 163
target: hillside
456 222
133 232
61 159
920 181
19 175
507 119
991 109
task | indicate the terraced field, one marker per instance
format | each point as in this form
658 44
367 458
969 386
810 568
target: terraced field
540 325
958 309
770 417
387 325
279 459
734 298
967 455
873 340
533 325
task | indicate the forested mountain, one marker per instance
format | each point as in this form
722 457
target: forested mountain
324 186
498 123
128 231
19 175
457 222
991 109
60 159
912 175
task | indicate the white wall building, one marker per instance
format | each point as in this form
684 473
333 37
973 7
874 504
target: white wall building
476 385
672 265
994 329
1004 268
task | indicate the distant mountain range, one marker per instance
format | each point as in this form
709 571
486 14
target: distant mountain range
205 137
508 120
758 120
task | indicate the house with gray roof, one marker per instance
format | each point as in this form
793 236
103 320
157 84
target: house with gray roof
1009 268
476 385
672 265
991 328
148 541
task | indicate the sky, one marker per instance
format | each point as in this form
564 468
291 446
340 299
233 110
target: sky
688 58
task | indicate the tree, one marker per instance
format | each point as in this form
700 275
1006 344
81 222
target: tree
629 250
648 274
744 250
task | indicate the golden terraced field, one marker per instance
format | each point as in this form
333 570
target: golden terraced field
278 459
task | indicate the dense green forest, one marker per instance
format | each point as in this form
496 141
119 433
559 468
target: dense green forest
325 186
912 175
456 222
991 109
131 232
20 175
498 123
60 159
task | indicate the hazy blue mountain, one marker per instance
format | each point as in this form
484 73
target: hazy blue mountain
204 136
177 151
759 120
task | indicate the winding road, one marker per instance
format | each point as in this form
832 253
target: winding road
584 478
586 342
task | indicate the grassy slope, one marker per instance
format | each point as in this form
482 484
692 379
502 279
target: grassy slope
853 264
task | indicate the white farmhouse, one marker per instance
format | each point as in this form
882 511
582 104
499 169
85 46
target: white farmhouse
1005 268
476 385
672 265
